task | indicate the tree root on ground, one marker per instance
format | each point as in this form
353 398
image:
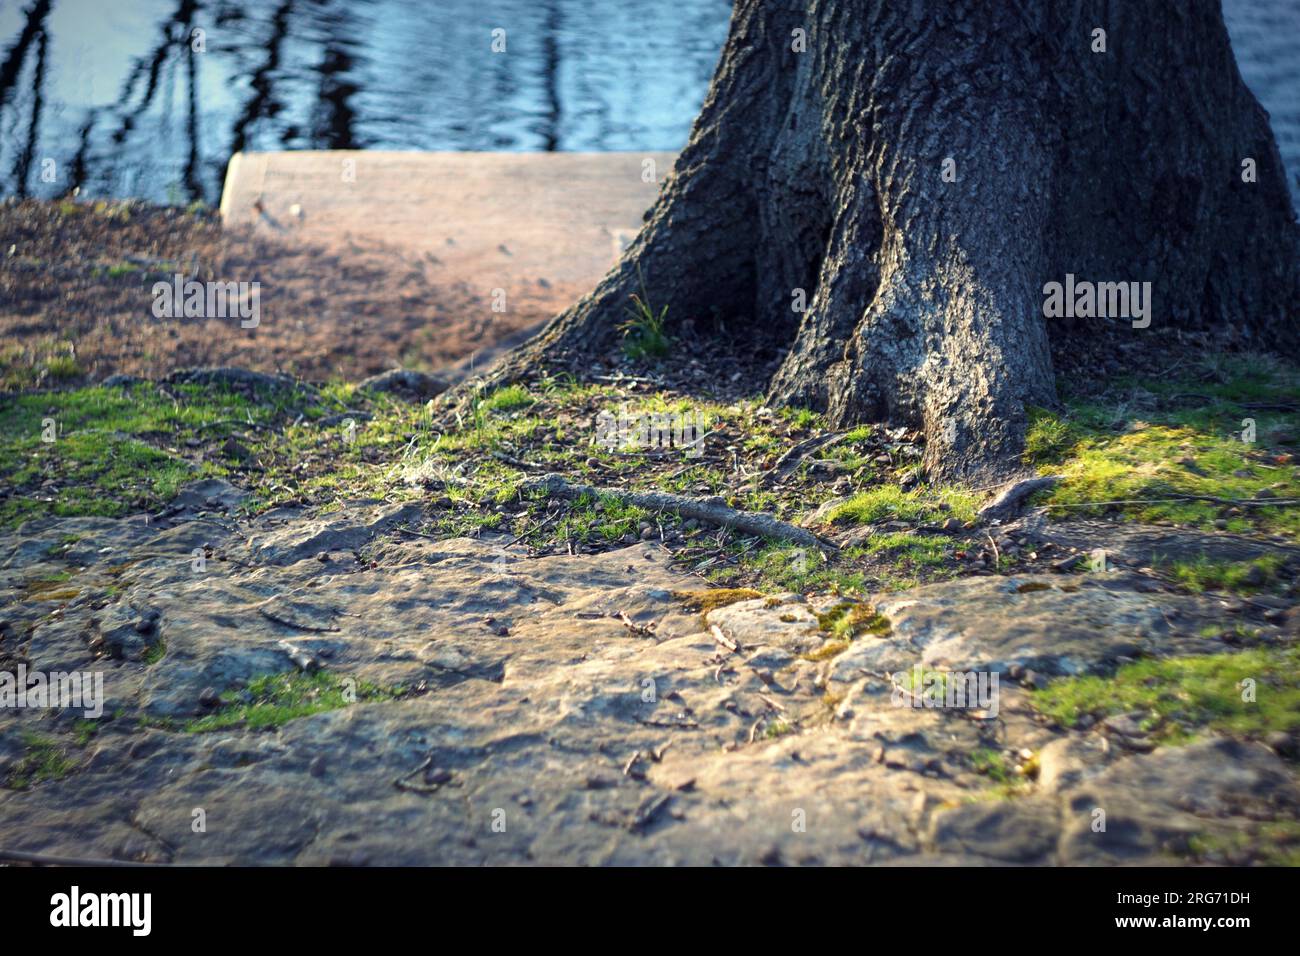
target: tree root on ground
712 510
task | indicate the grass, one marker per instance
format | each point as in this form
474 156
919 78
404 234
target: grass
1150 441
1245 577
890 502
272 700
48 362
1274 843
644 334
1009 781
43 759
122 450
507 399
778 728
1184 697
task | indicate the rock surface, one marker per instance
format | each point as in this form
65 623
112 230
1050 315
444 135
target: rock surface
570 709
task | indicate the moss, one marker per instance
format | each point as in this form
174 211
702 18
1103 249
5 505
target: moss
1152 453
83 731
849 620
1273 843
909 551
832 648
1009 780
1187 696
507 399
123 450
778 728
1246 577
889 502
713 598
783 567
272 700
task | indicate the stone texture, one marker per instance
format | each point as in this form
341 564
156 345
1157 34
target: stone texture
538 727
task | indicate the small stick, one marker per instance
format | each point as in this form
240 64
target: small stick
723 639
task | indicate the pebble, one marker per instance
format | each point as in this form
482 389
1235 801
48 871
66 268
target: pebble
1282 743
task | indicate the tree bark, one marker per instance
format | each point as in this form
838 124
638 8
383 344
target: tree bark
921 169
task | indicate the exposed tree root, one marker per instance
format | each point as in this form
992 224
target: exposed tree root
712 510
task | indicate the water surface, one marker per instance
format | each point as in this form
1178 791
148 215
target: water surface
111 95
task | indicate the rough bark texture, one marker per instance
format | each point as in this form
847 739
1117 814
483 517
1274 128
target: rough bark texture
823 171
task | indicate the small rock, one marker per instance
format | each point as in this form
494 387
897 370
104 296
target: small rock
233 449
1282 743
1067 563
317 767
208 697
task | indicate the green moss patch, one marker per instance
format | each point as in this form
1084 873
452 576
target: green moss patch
891 503
1249 694
275 699
711 599
1208 450
849 620
43 759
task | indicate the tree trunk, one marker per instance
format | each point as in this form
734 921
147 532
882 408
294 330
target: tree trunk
919 170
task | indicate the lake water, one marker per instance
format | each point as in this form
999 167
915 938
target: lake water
108 95
115 97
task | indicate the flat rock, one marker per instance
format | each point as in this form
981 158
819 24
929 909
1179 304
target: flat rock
1037 622
526 720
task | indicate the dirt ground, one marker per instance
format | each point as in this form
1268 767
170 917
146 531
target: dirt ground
76 301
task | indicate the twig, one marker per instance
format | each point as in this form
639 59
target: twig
997 555
1240 502
639 630
422 534
723 639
